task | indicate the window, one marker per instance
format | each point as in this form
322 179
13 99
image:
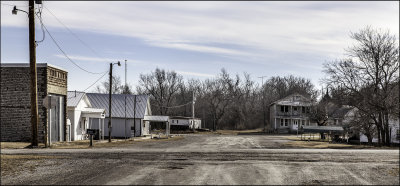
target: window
282 122
303 110
284 108
286 122
398 134
172 121
303 122
295 108
177 121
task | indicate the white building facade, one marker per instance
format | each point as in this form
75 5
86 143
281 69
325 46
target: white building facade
192 123
81 115
287 115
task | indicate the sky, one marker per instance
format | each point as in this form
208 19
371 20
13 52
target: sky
195 39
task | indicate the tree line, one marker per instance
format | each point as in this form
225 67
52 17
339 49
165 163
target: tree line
368 80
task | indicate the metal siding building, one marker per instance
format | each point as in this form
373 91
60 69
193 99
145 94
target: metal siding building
133 113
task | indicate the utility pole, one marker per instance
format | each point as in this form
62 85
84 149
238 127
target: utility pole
263 100
109 105
109 101
134 117
125 89
193 111
33 74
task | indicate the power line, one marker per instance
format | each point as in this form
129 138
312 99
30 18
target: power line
72 33
93 83
58 46
174 106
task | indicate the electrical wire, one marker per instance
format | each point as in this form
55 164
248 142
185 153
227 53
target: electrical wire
95 82
92 83
72 33
174 106
62 51
39 15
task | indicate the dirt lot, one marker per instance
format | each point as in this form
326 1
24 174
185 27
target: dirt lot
202 159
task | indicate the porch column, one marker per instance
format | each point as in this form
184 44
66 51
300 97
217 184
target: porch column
275 123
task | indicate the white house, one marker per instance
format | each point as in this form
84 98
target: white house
80 113
290 113
128 113
394 132
185 121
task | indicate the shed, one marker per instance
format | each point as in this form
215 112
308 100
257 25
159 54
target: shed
322 129
128 112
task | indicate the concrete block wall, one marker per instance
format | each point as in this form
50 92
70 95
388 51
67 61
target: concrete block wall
15 120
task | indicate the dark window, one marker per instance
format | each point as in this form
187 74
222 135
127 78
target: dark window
282 108
303 109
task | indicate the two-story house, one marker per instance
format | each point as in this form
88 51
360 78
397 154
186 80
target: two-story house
289 113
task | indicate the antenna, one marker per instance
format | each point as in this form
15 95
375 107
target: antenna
125 74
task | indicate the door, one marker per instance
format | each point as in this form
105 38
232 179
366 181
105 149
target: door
56 120
295 124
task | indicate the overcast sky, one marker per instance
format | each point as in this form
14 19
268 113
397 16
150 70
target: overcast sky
196 39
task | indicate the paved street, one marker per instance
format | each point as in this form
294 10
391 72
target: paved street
206 159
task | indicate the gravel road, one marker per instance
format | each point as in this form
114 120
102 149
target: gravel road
207 159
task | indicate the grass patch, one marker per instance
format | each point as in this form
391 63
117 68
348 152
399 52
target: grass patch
17 145
394 172
12 164
318 145
84 144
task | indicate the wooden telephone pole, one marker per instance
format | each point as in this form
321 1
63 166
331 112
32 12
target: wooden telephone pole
33 74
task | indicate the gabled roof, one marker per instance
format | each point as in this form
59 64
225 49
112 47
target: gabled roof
288 100
341 112
73 98
99 100
156 118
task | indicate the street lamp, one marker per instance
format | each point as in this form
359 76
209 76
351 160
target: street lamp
110 92
15 10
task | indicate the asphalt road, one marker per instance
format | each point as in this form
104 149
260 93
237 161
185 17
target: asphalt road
207 159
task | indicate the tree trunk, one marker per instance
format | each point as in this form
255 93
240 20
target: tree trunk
369 136
387 129
379 135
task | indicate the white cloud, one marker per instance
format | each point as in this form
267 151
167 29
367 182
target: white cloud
195 74
229 29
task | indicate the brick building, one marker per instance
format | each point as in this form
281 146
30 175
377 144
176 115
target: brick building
15 99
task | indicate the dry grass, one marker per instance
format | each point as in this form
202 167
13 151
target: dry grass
17 145
318 145
84 144
12 164
394 172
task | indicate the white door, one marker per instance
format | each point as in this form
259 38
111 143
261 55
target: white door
295 124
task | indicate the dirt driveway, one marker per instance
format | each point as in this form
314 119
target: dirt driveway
202 159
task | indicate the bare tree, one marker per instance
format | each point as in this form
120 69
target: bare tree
373 64
162 86
117 88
